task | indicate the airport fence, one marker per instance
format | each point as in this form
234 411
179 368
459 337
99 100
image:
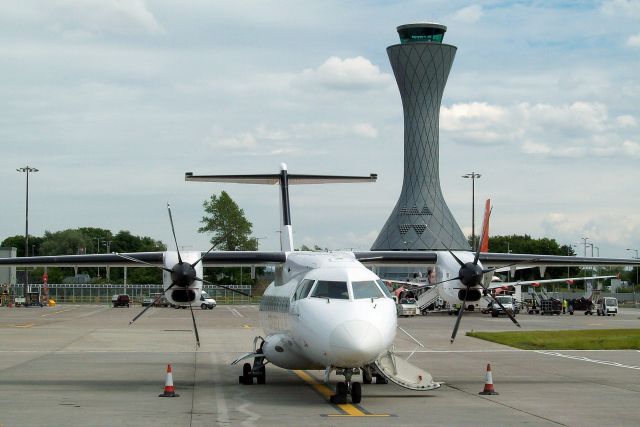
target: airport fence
98 293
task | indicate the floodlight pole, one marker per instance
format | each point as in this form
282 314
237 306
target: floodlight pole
473 177
26 169
634 285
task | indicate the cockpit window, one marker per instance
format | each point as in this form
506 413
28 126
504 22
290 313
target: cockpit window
330 289
366 289
303 289
384 288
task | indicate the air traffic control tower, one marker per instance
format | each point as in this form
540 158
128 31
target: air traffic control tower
421 219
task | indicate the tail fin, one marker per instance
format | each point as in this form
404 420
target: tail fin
485 227
284 179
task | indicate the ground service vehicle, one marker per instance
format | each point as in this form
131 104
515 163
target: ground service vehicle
121 300
607 306
408 307
507 303
206 302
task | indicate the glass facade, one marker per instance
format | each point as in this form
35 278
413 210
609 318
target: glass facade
421 34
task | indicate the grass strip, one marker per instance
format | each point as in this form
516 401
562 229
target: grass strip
588 339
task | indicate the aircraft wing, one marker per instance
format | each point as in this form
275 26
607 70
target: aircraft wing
211 259
495 285
93 260
532 260
382 258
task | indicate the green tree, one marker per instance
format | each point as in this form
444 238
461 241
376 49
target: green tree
225 220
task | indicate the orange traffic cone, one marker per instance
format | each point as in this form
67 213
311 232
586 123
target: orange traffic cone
488 382
168 385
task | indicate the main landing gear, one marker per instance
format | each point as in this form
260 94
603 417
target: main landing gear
258 371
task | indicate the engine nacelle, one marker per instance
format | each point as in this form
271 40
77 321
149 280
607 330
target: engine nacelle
179 295
279 350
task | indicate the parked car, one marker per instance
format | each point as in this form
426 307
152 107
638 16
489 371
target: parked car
147 301
120 300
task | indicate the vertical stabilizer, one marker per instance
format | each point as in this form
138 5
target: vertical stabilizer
284 179
484 247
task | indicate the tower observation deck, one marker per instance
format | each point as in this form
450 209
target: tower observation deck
421 219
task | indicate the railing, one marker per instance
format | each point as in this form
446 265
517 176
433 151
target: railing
97 293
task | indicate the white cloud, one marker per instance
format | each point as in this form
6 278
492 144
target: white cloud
631 148
616 230
468 15
83 18
295 139
346 75
569 130
366 130
627 8
626 121
634 41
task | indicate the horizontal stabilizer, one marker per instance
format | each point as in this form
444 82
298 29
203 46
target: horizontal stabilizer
274 179
405 374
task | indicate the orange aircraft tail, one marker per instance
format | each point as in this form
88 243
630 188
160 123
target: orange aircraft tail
485 227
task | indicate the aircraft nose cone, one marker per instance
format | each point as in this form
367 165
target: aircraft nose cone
355 343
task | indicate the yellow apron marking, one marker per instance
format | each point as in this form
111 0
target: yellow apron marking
28 325
349 409
246 326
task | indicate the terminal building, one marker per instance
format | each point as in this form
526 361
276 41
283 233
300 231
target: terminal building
421 219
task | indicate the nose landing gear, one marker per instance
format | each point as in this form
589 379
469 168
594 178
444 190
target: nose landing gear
347 388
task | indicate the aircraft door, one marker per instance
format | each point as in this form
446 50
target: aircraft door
404 374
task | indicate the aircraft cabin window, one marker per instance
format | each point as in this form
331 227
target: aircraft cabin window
303 289
330 289
384 288
366 289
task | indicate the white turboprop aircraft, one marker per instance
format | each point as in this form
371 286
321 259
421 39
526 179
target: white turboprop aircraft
324 310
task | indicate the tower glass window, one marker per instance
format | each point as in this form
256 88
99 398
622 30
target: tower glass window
417 33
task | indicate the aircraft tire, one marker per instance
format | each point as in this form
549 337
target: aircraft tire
262 376
356 393
367 378
247 378
340 398
380 379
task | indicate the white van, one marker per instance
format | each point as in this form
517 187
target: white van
206 301
507 303
607 306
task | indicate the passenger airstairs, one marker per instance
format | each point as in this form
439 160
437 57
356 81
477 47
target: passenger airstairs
428 297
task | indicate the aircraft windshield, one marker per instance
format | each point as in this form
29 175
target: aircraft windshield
505 300
303 289
384 288
329 289
366 289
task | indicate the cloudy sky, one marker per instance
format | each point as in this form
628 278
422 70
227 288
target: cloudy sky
114 100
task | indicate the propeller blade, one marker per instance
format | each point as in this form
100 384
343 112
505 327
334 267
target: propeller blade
444 281
455 257
485 222
152 304
195 327
460 313
174 233
222 286
168 270
205 254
